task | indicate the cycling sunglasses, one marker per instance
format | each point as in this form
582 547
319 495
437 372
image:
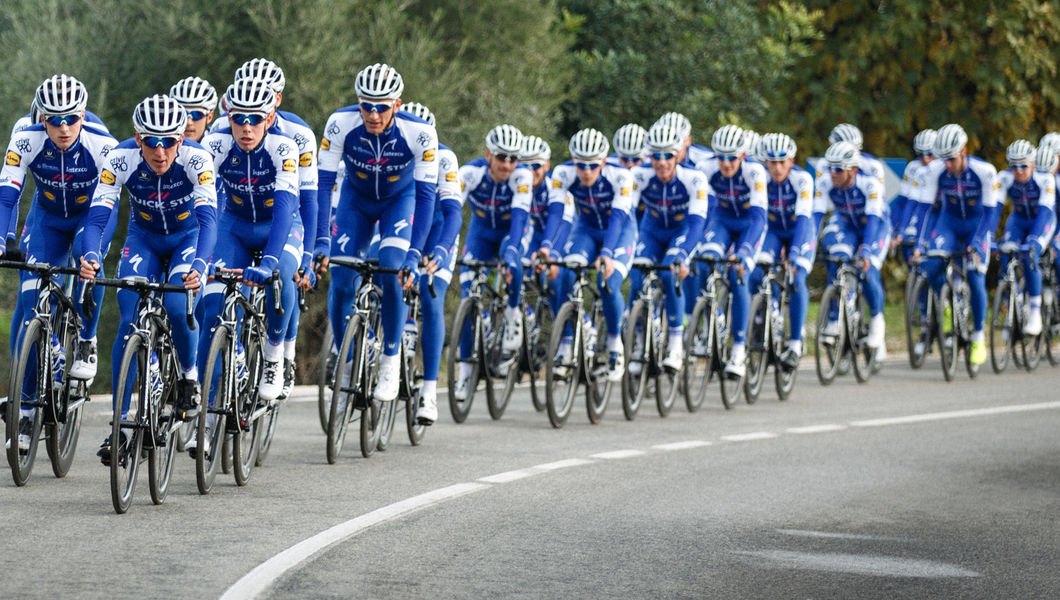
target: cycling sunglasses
156 141
533 166
506 158
376 107
728 157
586 166
663 155
195 115
251 119
60 120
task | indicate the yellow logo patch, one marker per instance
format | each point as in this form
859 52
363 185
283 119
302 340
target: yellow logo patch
289 165
873 196
325 144
184 215
49 195
557 184
759 186
205 178
451 176
13 159
107 177
393 178
237 200
523 189
145 216
270 202
623 191
305 159
362 175
428 155
701 194
81 199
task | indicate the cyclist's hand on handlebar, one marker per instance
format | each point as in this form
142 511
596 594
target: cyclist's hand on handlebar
608 266
256 276
542 255
320 264
191 280
737 260
407 276
305 279
89 268
11 251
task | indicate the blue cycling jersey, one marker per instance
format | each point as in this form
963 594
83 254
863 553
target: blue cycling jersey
678 203
970 196
605 205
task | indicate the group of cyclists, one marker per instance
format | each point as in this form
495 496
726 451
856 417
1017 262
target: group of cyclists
251 190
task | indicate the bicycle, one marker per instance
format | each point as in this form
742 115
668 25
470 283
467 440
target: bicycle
767 332
646 334
231 421
476 340
411 375
57 399
1050 308
708 338
954 319
146 391
845 289
1007 316
920 319
536 312
583 329
272 416
325 367
357 368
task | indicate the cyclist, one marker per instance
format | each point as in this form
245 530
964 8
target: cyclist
392 174
967 189
296 128
168 239
691 154
789 230
604 231
751 141
675 201
628 143
906 213
257 177
535 154
737 219
1030 225
197 97
1046 161
845 132
65 156
441 262
857 226
498 192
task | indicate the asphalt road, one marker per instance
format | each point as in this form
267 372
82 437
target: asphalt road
904 487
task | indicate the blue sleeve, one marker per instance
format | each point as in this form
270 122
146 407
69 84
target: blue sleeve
562 233
614 229
92 238
922 210
907 209
12 230
282 216
552 224
1042 222
987 224
9 207
753 233
452 216
426 196
872 231
323 240
694 234
307 209
818 218
207 217
512 252
804 233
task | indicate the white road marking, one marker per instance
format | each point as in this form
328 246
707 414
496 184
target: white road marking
256 582
956 414
749 437
816 428
841 536
517 474
615 454
862 564
682 445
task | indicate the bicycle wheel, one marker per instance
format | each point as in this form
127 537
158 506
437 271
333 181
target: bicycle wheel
598 384
637 340
562 378
1030 345
947 332
537 341
132 389
268 432
963 321
783 379
1051 327
666 380
1001 318
758 338
31 354
498 403
411 387
699 355
467 322
343 389
161 438
325 357
828 350
863 358
218 387
374 414
69 396
731 387
247 438
919 323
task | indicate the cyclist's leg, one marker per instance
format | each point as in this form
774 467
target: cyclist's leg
395 233
90 321
350 238
180 250
614 303
741 293
838 243
433 335
482 244
943 244
802 258
138 260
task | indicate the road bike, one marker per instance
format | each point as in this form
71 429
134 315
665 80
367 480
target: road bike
845 295
646 336
708 337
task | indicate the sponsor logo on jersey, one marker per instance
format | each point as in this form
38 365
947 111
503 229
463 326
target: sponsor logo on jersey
305 159
393 178
428 155
325 144
270 202
701 194
289 165
759 186
623 191
451 176
205 178
184 215
557 184
107 177
13 158
873 196
145 216
523 189
237 200
81 199
362 175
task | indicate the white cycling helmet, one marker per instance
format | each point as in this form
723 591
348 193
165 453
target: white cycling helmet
159 115
664 138
504 139
264 69
1020 151
845 132
34 112
629 140
588 144
843 154
777 146
193 92
1052 139
534 148
750 142
924 141
379 82
727 140
61 95
1045 159
250 95
421 111
678 122
950 140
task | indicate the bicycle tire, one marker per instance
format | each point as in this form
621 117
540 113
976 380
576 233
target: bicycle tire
498 404
559 402
467 319
164 431
1001 321
598 384
731 387
828 356
62 435
268 433
32 350
246 439
1030 347
783 380
758 338
948 347
666 380
124 467
410 391
699 355
918 325
374 415
537 351
492 334
342 391
216 382
324 378
635 386
863 357
1051 327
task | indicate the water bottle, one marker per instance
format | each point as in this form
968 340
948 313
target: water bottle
531 318
241 364
590 336
58 359
409 337
778 318
155 377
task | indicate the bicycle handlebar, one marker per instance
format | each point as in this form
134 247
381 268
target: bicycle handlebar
141 286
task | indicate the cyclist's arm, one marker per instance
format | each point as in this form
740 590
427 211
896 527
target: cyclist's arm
204 194
12 179
424 140
284 202
329 159
991 199
874 209
559 197
451 202
698 192
1046 217
522 183
621 208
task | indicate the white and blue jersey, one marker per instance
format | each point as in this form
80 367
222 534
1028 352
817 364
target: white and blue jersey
675 210
738 213
858 217
968 206
543 197
789 221
448 213
602 210
1033 215
499 209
